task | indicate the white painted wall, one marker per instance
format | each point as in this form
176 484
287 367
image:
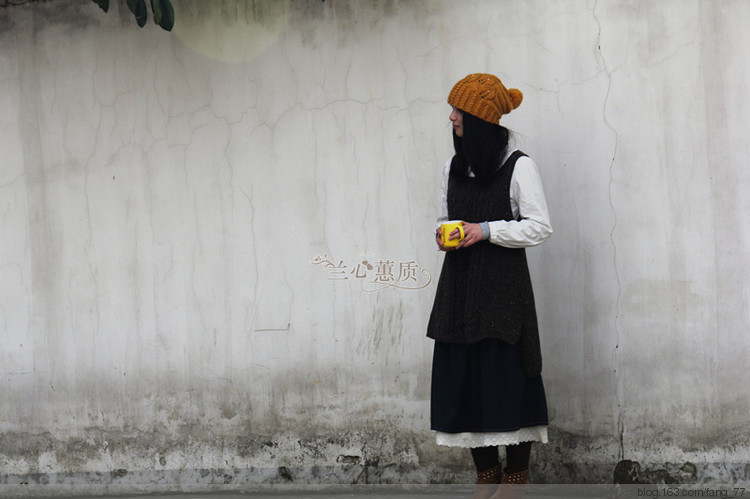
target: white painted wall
166 199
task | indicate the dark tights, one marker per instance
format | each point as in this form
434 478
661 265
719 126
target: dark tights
518 457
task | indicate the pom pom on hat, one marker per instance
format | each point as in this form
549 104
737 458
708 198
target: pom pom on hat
484 96
516 97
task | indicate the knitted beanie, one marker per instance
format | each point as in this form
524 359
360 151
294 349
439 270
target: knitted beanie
484 96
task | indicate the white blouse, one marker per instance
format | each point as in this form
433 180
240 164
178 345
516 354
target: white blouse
526 200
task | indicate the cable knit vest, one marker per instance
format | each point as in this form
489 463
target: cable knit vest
485 290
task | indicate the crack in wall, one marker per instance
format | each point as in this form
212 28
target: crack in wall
618 383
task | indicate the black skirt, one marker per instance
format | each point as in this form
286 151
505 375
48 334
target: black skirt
481 387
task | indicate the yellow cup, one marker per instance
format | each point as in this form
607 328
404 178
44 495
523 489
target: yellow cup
447 228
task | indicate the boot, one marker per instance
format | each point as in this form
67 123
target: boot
487 482
512 485
518 478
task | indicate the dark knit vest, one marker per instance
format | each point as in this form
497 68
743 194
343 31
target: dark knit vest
485 290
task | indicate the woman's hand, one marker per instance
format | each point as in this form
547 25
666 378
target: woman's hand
472 235
439 239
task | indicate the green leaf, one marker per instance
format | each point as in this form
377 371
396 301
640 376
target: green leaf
103 4
138 8
162 9
163 13
156 9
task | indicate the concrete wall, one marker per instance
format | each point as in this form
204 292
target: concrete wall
216 259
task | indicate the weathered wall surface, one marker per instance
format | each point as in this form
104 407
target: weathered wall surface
216 259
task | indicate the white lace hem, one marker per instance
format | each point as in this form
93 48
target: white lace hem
486 439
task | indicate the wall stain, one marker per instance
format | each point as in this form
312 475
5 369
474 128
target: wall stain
285 474
349 460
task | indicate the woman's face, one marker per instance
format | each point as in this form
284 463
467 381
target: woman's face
457 117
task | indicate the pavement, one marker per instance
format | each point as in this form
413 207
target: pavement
422 491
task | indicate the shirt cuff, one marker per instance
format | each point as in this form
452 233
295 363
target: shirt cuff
485 230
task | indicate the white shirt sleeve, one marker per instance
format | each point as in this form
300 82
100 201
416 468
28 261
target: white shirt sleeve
532 225
443 215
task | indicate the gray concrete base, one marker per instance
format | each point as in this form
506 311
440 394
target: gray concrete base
634 481
451 491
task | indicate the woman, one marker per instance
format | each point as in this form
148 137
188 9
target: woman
487 388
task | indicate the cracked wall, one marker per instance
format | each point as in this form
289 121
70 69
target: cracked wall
167 200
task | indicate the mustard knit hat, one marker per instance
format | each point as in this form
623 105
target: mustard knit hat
484 96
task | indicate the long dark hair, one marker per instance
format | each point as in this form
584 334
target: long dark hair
481 149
